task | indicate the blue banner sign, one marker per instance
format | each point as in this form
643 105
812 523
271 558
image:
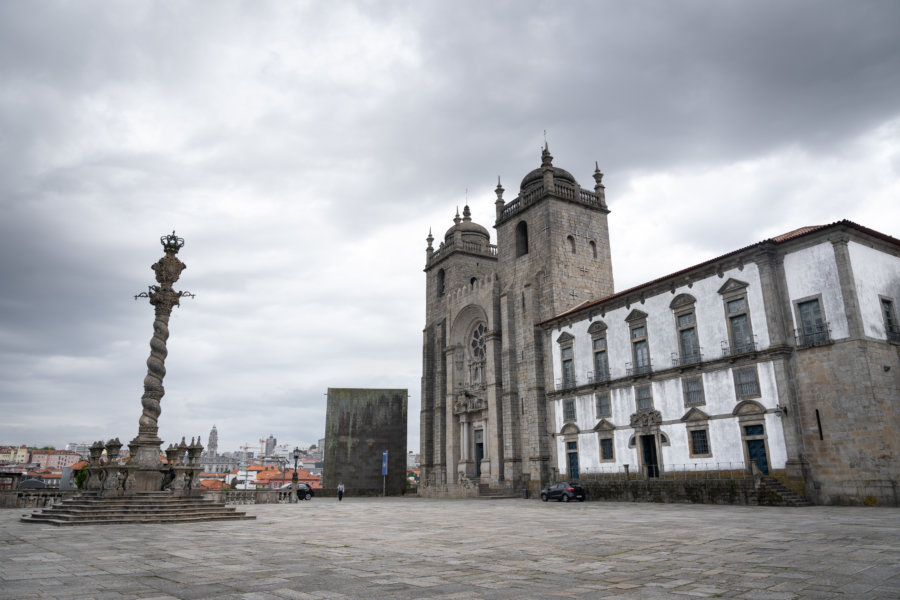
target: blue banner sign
384 462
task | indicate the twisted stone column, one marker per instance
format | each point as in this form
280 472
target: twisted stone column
163 298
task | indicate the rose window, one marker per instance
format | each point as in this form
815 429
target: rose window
478 341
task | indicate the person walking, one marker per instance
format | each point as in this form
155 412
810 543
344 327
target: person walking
340 491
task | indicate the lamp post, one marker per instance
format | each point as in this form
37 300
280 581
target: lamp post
294 477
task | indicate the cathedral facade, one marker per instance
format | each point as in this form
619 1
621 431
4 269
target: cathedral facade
782 358
484 419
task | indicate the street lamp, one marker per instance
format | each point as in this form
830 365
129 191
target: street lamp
294 477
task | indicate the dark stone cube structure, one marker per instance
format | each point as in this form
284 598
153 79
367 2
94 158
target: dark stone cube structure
359 426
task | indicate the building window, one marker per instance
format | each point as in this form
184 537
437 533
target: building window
569 409
601 365
644 397
746 383
606 449
693 391
521 239
640 349
687 338
571 241
739 330
479 341
593 249
699 442
890 321
813 329
604 409
440 282
568 366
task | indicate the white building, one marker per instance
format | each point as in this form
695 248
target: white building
782 355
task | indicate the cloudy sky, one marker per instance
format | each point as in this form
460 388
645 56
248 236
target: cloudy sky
303 150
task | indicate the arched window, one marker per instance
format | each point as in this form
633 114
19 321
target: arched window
593 249
440 282
521 238
571 241
472 282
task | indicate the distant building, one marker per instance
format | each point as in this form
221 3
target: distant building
270 446
360 425
211 461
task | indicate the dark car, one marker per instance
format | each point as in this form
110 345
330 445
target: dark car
304 491
563 491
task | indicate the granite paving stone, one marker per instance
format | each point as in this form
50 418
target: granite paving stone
414 548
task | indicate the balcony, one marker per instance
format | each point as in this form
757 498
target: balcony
682 359
641 369
566 383
741 347
597 376
893 333
816 335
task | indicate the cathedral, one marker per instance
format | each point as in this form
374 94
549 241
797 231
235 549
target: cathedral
779 359
484 399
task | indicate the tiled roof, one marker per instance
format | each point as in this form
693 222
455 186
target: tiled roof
790 235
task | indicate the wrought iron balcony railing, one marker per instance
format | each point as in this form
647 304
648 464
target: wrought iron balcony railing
641 369
597 376
741 347
893 333
566 383
813 336
681 359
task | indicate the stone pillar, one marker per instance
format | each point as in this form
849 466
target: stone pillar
774 296
146 446
848 287
493 430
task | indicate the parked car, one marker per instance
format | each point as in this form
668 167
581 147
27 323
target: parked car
563 491
304 491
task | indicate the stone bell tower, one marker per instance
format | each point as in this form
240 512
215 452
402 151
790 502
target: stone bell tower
484 414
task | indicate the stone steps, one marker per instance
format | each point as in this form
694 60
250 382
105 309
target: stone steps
147 507
786 496
486 491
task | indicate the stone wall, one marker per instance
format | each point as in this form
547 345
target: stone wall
359 425
849 420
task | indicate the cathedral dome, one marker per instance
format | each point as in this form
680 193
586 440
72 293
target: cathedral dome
470 230
537 175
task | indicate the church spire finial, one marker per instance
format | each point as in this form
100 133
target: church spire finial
599 188
546 157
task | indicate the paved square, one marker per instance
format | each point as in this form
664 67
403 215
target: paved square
456 549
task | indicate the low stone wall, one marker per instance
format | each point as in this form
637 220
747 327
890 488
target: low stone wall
710 491
31 498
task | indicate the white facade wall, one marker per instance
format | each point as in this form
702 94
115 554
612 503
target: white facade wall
813 271
876 275
719 386
712 326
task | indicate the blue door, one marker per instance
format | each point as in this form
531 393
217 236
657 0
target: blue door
756 450
572 449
